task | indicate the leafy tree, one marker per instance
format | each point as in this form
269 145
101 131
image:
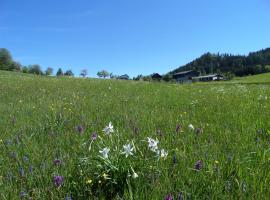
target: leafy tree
25 69
15 66
69 73
84 73
35 69
222 63
5 59
59 72
103 74
49 71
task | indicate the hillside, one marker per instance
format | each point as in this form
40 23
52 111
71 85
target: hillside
197 141
253 63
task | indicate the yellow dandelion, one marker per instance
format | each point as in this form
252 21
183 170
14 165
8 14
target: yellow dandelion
216 161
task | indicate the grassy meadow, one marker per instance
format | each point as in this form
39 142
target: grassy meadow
214 137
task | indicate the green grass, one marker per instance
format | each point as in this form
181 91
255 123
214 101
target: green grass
38 116
260 78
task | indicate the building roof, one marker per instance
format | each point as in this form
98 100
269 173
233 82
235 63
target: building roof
156 75
184 72
207 76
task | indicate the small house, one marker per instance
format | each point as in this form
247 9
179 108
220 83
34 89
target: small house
185 76
156 76
209 77
123 77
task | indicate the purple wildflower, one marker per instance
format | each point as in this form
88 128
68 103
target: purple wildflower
198 165
94 136
180 196
136 130
159 133
58 181
80 129
31 169
21 171
8 142
174 159
178 128
68 197
13 155
169 197
57 162
22 195
25 159
199 131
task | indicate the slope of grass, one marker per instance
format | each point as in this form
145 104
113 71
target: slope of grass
260 78
39 119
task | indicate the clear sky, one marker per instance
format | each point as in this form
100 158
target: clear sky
130 36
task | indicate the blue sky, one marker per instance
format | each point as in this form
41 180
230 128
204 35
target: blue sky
130 36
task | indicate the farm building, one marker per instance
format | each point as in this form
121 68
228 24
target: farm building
185 76
156 76
210 77
123 77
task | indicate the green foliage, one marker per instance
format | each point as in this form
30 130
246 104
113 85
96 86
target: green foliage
6 61
208 63
59 72
49 71
69 73
231 137
35 69
103 74
83 73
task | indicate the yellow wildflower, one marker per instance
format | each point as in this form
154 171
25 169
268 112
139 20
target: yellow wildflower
89 181
216 161
105 176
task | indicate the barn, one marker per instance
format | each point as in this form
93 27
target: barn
209 77
185 76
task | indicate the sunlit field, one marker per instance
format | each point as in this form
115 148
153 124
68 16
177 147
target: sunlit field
71 138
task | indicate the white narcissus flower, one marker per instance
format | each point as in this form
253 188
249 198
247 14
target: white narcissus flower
152 144
191 127
163 153
108 129
105 152
127 150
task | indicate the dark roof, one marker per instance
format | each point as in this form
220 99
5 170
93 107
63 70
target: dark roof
184 72
125 76
156 75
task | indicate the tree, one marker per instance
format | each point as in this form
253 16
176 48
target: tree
59 72
49 71
15 66
25 69
103 74
69 73
83 73
35 69
5 59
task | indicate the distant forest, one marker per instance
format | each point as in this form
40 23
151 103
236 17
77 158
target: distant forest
254 63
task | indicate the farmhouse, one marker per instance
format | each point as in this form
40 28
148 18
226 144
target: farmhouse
123 77
209 77
156 76
185 76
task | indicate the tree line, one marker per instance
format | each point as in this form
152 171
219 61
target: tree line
254 63
7 63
